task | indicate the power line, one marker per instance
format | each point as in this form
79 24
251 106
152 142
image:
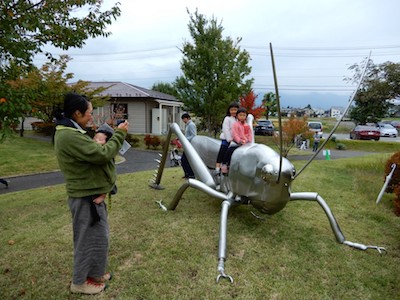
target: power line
170 52
309 89
290 49
313 55
344 48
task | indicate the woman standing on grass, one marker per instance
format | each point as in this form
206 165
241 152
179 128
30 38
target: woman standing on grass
89 171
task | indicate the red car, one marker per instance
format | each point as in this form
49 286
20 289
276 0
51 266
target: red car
395 124
363 132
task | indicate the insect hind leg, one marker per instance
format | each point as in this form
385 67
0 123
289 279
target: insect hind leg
334 225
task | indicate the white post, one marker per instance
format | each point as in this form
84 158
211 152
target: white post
160 108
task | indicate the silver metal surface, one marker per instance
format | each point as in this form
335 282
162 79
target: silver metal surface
253 174
199 168
258 176
388 178
222 240
334 225
278 106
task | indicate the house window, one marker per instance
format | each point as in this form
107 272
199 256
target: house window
120 111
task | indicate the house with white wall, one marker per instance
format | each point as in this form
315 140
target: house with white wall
147 111
336 111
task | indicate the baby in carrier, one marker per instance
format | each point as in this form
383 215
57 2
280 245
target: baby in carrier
103 134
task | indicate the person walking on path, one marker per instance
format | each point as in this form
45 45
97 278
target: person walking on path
317 139
89 171
190 133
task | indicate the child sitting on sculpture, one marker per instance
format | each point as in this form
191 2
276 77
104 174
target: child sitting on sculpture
241 134
226 134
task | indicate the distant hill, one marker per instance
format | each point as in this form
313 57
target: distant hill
316 100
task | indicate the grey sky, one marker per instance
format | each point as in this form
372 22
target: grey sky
314 42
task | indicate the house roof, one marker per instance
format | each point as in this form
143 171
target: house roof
340 108
126 90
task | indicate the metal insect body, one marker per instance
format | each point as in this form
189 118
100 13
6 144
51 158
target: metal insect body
258 176
251 180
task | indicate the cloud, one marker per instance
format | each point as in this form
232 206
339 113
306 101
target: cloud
314 41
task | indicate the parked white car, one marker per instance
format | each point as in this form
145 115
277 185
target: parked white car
316 127
387 130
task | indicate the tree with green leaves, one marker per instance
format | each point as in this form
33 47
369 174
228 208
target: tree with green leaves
215 71
381 83
26 27
44 89
270 104
14 103
166 88
42 92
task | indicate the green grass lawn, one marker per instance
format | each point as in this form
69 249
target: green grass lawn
173 255
26 156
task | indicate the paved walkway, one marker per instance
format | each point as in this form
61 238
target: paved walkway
135 160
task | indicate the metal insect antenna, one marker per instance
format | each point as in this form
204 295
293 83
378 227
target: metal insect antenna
278 104
340 119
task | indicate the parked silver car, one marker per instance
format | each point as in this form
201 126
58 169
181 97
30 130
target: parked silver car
387 130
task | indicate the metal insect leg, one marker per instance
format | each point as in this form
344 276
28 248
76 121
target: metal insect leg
334 225
155 182
385 185
222 239
199 168
194 183
228 200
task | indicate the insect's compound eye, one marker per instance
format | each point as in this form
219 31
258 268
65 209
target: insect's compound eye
267 173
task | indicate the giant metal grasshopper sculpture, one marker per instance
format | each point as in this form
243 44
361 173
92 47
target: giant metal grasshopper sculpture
258 176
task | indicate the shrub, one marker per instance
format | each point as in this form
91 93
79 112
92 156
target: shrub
153 141
132 140
340 146
35 125
394 184
162 142
43 127
147 140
